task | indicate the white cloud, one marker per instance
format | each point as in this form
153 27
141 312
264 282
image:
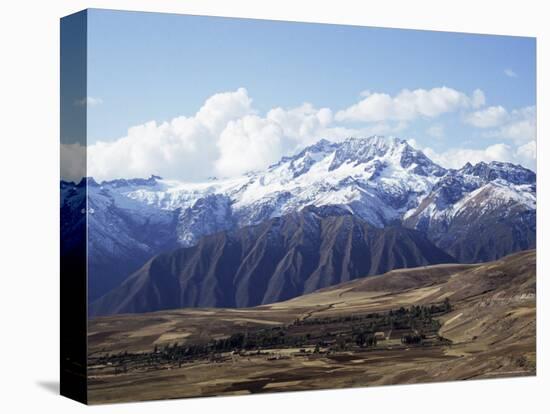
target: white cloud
301 123
88 101
221 108
458 157
518 131
478 99
249 143
510 73
253 142
520 126
436 131
517 128
227 136
528 151
488 117
408 105
184 147
183 144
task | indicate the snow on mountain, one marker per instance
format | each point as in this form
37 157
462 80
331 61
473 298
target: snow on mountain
381 180
481 212
484 187
375 178
122 232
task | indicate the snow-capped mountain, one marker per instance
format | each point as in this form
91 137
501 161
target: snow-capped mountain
481 212
122 232
377 179
279 259
381 181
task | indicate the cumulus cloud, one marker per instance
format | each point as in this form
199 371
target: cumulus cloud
520 126
167 148
221 108
302 123
247 144
528 151
184 147
227 136
408 105
253 142
515 129
458 157
488 117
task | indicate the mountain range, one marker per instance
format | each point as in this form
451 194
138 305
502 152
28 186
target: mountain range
374 185
279 259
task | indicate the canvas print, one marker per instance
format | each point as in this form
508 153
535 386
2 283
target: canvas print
253 206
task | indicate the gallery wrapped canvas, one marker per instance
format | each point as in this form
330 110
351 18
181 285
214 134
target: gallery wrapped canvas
252 206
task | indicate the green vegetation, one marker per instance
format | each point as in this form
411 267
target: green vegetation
413 326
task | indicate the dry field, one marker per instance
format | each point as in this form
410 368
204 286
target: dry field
489 333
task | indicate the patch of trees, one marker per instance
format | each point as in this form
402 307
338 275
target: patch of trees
365 339
335 333
411 339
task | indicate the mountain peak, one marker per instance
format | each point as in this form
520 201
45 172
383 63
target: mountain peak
493 170
392 150
377 143
362 158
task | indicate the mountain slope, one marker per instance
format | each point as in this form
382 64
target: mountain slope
491 323
276 260
384 182
122 233
480 213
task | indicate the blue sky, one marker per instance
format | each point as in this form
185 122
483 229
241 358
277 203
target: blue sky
157 67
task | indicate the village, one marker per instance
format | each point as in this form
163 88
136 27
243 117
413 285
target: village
309 337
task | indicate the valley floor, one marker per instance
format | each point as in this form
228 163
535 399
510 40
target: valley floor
436 323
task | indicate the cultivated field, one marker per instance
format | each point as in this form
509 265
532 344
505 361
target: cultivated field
436 323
